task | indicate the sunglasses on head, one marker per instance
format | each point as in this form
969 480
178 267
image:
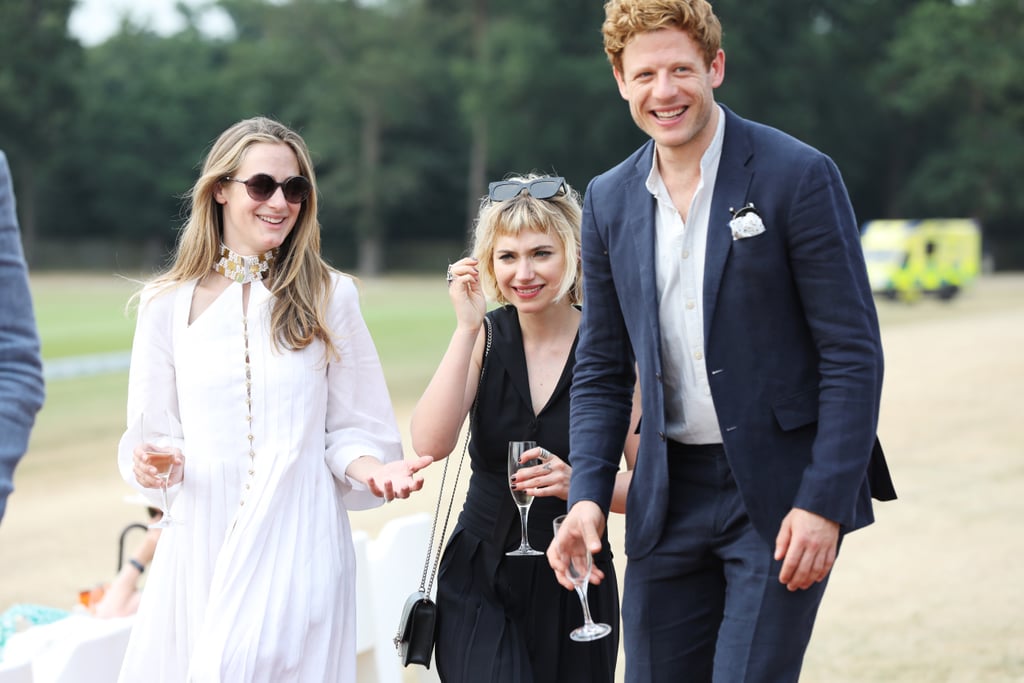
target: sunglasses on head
262 187
538 188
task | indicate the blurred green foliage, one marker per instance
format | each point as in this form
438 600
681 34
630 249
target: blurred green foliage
410 106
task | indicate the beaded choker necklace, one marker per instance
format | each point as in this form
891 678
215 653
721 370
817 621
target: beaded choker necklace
243 268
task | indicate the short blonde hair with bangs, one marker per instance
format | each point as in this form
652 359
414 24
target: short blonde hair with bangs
625 19
559 216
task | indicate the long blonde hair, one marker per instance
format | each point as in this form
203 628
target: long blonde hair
301 279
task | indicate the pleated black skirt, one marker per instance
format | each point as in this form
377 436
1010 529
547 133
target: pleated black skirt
507 620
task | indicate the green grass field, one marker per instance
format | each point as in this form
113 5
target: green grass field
82 314
410 319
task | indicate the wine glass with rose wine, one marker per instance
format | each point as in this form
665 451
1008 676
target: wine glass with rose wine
162 458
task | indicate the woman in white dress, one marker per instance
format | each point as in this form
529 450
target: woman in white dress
251 360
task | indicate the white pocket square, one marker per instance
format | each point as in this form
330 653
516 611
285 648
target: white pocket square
746 222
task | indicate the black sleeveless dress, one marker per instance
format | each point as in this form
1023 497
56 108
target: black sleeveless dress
506 619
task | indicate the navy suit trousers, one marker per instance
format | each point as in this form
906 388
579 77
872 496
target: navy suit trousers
706 604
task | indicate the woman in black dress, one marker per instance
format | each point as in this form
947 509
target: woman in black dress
501 618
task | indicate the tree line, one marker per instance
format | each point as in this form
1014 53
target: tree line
411 106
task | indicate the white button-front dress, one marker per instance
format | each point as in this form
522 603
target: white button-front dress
256 582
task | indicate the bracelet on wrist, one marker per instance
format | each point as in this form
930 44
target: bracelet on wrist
138 565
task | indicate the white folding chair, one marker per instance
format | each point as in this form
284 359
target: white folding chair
96 657
16 671
76 649
396 560
366 662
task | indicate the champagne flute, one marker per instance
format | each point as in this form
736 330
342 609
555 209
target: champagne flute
523 499
162 458
580 566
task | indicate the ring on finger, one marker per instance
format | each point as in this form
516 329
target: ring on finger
545 454
449 276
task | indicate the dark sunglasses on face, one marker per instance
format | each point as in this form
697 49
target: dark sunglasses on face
262 187
539 188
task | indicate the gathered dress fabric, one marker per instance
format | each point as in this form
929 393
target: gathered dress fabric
506 619
256 580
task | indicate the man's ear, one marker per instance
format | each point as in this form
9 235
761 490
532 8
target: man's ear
717 69
620 82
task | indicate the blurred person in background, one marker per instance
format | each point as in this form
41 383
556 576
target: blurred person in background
120 596
21 372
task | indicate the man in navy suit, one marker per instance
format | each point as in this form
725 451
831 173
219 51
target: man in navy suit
722 262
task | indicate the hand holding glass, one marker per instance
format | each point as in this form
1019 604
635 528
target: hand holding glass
162 458
523 499
580 566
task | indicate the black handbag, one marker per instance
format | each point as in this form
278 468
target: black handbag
417 626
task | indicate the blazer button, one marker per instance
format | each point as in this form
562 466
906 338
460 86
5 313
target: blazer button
661 435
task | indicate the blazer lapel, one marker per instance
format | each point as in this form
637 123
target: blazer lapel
641 224
735 172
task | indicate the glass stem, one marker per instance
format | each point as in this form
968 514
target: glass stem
524 512
582 592
163 493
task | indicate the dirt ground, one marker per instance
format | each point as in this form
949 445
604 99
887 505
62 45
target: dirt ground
934 591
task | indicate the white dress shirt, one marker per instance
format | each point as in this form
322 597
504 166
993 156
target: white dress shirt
680 250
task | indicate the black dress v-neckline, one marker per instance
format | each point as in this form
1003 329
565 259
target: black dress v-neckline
515 355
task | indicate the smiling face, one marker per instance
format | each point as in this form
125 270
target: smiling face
252 227
529 268
669 88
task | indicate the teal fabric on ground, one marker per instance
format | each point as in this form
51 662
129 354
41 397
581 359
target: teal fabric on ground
19 617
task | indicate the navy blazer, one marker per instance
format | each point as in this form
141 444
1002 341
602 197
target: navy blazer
21 372
792 344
